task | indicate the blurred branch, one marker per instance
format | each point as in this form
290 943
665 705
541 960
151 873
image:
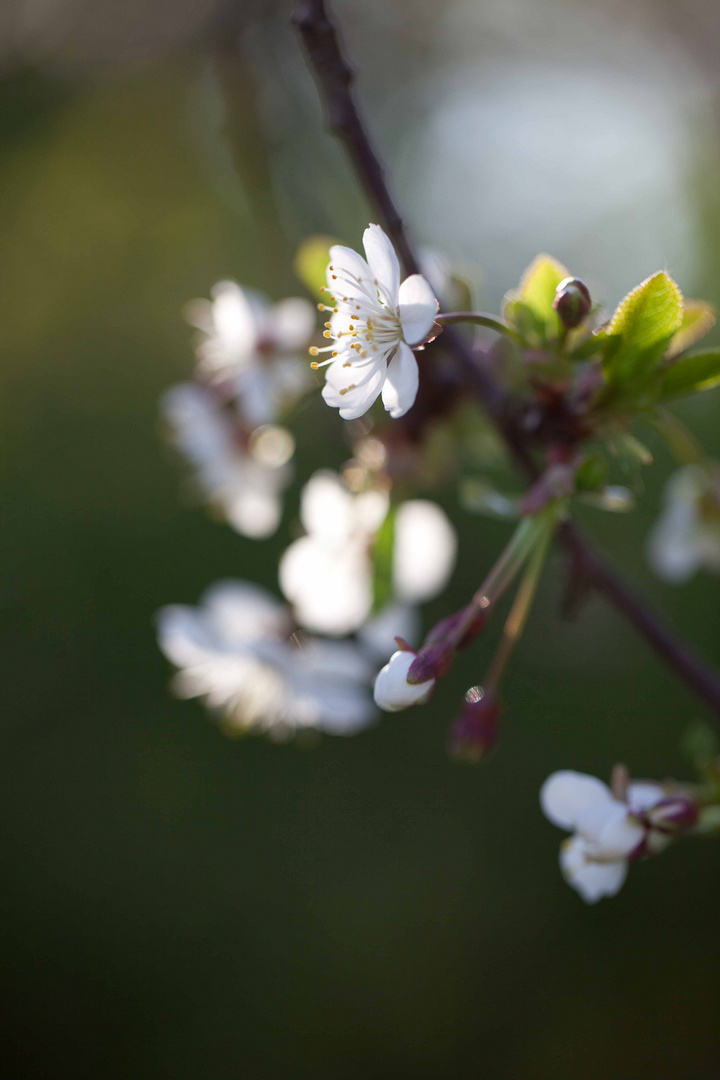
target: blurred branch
335 80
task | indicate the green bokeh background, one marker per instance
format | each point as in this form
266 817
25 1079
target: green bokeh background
179 905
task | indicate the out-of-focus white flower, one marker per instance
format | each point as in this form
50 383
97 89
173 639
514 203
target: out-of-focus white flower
607 832
242 476
328 574
233 651
375 320
255 345
392 690
686 537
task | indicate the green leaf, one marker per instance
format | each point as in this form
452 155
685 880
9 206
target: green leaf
311 261
642 327
530 307
592 474
698 318
539 283
383 561
691 374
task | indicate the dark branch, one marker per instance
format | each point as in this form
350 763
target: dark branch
335 77
594 568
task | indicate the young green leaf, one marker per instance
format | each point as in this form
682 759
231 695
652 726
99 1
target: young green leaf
698 318
642 327
529 308
690 374
311 261
383 561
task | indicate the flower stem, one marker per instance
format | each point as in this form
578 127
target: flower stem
481 320
503 572
520 609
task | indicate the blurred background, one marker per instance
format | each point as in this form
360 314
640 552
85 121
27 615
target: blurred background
177 904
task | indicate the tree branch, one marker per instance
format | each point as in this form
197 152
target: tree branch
335 80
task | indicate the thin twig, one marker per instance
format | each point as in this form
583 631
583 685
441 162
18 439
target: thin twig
335 78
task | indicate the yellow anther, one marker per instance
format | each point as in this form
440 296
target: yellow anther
314 365
347 364
321 307
326 333
314 350
334 277
328 324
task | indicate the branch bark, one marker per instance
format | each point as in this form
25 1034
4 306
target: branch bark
335 81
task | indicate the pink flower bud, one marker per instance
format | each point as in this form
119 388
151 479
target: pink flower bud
432 662
474 733
572 302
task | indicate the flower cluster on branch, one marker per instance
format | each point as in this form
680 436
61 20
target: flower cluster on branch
560 392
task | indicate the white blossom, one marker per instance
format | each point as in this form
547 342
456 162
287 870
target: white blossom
234 651
686 537
393 692
243 476
255 346
375 320
327 574
606 830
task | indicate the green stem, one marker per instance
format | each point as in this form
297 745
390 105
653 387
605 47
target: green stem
520 609
479 319
503 572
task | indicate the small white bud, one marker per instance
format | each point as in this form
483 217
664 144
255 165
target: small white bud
392 690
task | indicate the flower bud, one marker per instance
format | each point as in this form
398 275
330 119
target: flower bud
673 814
392 690
572 302
432 662
474 733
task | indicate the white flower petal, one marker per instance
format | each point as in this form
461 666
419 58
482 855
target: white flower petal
592 880
617 838
326 506
292 323
330 588
567 794
424 551
255 514
348 274
643 795
241 612
418 308
401 382
383 262
362 386
235 315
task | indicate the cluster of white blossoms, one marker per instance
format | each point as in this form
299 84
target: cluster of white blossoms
686 537
236 651
327 575
365 561
609 832
225 422
374 324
